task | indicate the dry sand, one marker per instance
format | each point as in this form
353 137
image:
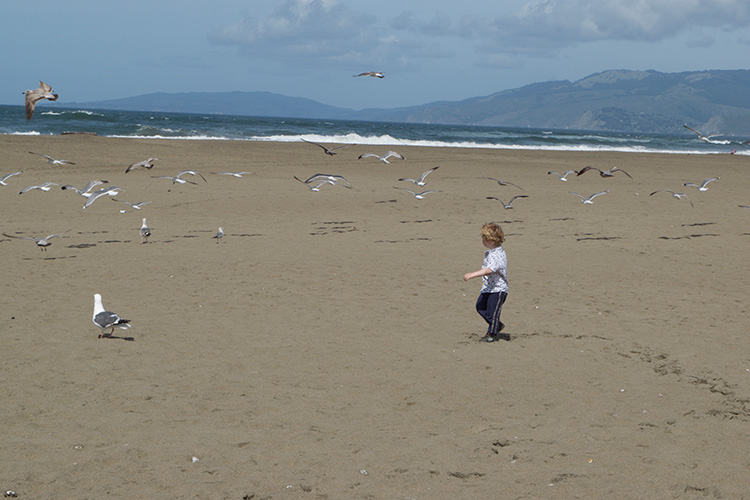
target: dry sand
327 347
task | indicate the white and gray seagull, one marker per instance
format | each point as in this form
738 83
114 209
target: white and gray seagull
376 74
42 243
8 176
145 232
507 206
315 185
111 191
44 91
147 164
564 176
678 196
703 186
134 206
53 161
107 319
704 138
328 151
504 183
175 180
235 174
191 172
590 199
419 196
219 235
420 181
383 158
332 178
603 173
86 191
44 187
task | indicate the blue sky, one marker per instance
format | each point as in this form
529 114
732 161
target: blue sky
430 50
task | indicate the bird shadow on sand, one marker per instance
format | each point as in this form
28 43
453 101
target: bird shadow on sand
115 337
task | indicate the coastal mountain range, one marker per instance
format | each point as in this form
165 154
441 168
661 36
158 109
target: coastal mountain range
712 101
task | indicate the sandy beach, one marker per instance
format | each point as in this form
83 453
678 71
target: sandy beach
327 347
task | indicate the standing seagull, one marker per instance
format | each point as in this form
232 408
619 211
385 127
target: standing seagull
327 151
703 185
420 181
383 158
376 74
107 319
44 91
8 176
589 200
604 173
419 196
147 164
564 176
53 161
704 138
145 231
507 206
219 235
42 243
98 194
678 196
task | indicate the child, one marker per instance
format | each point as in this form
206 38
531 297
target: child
494 281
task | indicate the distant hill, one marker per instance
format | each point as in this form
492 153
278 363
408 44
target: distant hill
714 102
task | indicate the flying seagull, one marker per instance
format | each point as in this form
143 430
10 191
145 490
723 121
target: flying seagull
589 200
316 184
331 151
107 319
98 194
219 235
8 176
331 178
191 172
377 74
44 91
603 173
508 205
420 181
704 138
175 180
564 176
134 206
43 187
504 183
383 158
145 232
235 174
86 191
703 185
419 196
53 161
147 164
42 243
675 195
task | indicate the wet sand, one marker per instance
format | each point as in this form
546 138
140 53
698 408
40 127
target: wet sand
327 347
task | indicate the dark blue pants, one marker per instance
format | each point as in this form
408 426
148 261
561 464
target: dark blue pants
489 306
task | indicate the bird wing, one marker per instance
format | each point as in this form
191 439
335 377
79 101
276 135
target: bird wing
516 197
40 154
693 130
705 183
598 194
393 153
367 155
8 176
581 197
617 169
428 172
586 169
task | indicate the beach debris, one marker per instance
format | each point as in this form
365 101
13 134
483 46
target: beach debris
375 74
603 173
107 319
507 206
10 493
419 196
328 151
196 459
42 243
679 196
53 161
383 158
703 186
147 164
420 181
8 176
590 199
145 232
565 174
44 91
44 187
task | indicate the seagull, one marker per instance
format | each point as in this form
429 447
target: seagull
589 200
675 195
317 184
175 180
504 183
44 91
334 179
8 176
564 176
43 187
191 172
42 243
86 191
147 164
145 232
377 74
134 206
420 181
327 151
53 161
507 206
219 235
98 194
704 138
235 174
419 196
383 158
107 319
703 185
604 173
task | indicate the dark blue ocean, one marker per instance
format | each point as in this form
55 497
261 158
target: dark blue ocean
50 119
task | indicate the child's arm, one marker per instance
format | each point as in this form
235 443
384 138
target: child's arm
476 274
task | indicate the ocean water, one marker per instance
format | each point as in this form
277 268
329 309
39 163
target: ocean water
51 119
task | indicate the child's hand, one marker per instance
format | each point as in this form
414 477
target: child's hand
468 276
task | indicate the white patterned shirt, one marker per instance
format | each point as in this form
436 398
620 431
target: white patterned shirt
495 260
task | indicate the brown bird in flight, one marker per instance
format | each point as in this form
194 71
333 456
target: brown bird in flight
604 173
33 96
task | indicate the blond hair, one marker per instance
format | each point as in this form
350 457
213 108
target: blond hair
493 233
